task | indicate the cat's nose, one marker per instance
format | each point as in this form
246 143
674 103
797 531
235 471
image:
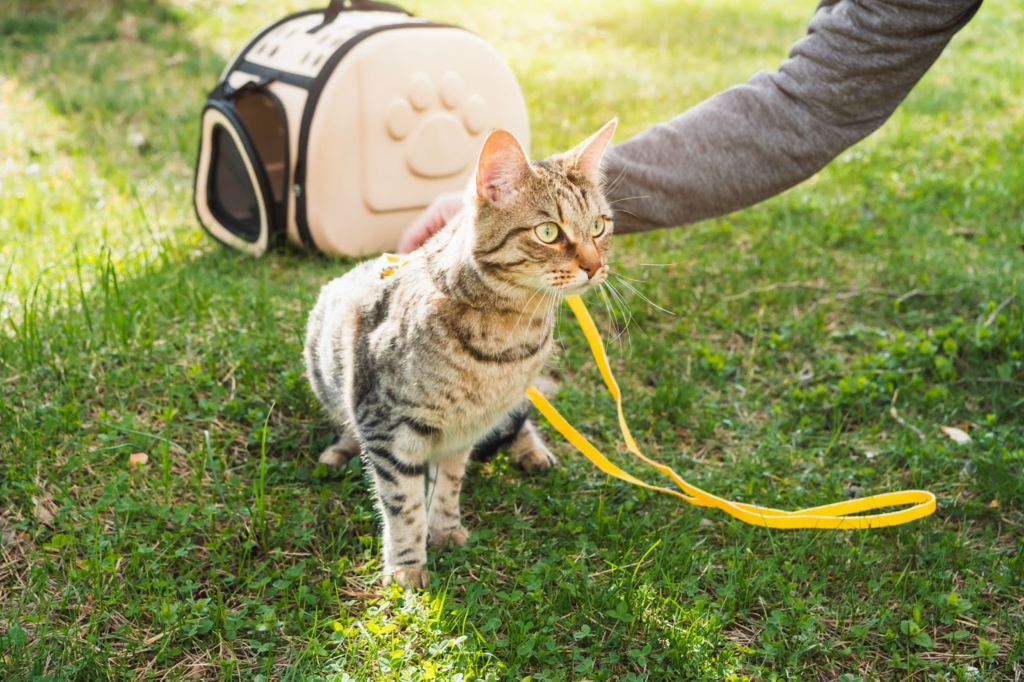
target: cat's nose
590 267
589 259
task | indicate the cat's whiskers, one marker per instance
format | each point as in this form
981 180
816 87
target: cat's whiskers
613 312
607 307
631 279
636 291
644 196
641 265
622 210
627 314
557 309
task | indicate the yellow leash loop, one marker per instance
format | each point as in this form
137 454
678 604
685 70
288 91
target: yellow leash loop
836 515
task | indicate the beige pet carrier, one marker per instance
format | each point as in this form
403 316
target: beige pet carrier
334 127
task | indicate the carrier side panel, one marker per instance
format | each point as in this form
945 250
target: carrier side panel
337 217
427 100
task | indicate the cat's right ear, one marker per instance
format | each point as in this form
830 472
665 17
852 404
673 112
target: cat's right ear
501 166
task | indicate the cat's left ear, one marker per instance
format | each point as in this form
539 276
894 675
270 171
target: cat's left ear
501 166
587 155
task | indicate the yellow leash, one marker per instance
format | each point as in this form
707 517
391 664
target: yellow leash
835 515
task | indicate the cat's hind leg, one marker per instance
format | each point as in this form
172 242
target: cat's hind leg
529 452
516 436
341 451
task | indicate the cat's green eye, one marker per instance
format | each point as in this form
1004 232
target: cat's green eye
546 232
597 227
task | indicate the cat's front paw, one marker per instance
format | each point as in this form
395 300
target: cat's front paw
450 537
414 577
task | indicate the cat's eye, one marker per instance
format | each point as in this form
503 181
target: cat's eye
597 227
546 232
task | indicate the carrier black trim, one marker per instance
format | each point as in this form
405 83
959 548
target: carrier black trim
268 74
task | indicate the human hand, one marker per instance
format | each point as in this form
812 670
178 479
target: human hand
433 218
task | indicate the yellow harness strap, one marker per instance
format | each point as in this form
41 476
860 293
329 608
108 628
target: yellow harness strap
395 261
836 515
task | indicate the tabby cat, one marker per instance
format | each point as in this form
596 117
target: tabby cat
424 367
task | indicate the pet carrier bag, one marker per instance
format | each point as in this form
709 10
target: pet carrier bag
334 127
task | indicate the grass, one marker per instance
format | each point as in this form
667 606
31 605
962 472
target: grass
233 555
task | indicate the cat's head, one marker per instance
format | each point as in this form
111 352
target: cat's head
543 226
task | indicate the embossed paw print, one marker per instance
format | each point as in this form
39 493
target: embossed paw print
435 121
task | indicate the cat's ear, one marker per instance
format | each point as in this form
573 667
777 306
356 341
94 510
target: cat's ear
587 155
501 166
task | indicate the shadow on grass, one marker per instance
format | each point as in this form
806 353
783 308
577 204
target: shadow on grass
108 67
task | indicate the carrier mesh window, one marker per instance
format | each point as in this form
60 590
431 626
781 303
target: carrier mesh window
231 196
266 130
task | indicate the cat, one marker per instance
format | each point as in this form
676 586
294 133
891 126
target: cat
428 365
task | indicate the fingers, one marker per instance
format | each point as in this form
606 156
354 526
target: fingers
435 217
449 203
421 229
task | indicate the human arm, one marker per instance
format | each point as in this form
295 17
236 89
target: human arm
859 60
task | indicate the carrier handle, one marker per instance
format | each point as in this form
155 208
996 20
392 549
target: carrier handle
338 6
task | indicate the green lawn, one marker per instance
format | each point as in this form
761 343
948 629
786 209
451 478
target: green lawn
233 555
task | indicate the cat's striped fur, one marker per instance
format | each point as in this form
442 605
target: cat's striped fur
423 367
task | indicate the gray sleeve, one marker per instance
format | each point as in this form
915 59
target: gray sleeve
841 81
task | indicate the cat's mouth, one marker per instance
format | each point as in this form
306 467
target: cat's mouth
580 284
